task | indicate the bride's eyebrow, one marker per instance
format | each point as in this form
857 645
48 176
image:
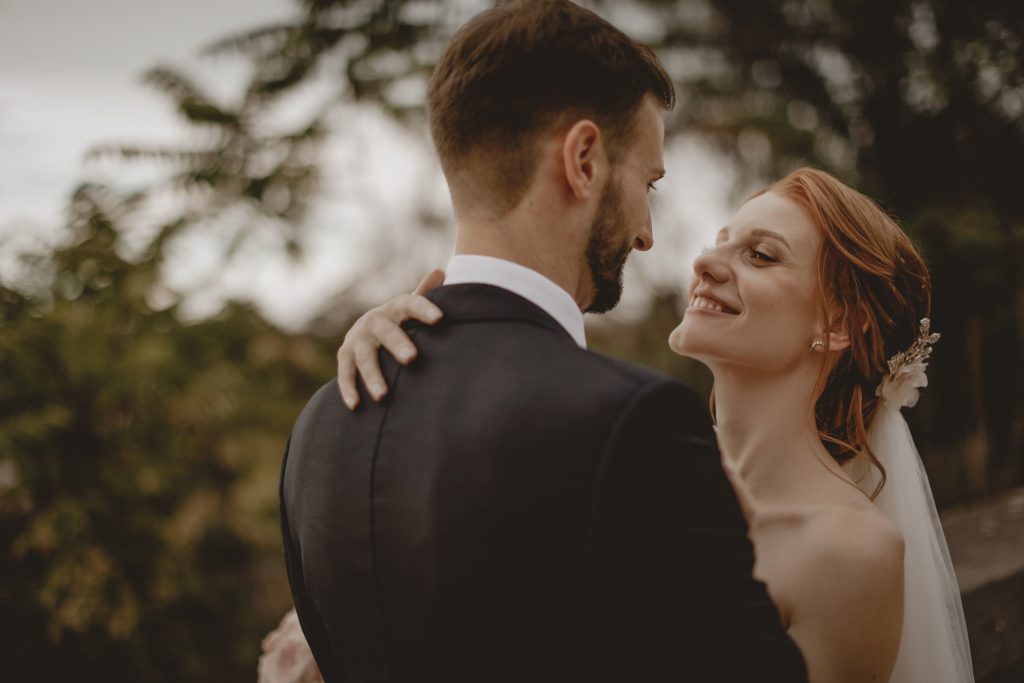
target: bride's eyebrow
756 232
760 232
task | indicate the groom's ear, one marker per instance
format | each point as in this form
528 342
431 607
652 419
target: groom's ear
583 158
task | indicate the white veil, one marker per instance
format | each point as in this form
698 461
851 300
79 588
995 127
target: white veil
934 648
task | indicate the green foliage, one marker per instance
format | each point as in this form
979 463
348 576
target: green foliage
138 508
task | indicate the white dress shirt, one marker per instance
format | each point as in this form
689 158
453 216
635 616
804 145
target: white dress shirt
527 283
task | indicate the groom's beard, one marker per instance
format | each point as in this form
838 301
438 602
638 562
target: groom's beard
606 254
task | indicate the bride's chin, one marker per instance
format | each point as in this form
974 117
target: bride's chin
682 344
675 340
679 342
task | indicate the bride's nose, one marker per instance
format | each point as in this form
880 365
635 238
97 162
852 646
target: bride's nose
711 265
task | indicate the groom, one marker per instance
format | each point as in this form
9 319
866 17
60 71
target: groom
522 509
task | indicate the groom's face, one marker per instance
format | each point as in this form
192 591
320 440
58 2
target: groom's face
607 250
623 218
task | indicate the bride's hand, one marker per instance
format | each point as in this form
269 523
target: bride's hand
378 327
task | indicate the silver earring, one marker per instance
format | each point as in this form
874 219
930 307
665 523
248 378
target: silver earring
816 344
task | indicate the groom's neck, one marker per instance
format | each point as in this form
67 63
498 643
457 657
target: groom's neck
534 244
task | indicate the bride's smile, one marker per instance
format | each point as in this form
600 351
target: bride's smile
753 297
706 301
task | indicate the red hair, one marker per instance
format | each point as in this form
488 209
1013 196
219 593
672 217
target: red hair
873 286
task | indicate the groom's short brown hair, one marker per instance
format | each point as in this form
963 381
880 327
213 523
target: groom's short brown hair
516 69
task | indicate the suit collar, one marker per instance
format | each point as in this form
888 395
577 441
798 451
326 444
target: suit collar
518 279
479 302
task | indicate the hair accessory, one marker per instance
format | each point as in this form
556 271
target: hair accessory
919 351
906 375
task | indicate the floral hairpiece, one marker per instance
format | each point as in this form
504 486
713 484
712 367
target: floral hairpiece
906 375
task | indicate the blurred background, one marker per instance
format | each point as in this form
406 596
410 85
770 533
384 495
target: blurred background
197 198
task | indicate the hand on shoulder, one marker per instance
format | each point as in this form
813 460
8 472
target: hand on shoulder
381 327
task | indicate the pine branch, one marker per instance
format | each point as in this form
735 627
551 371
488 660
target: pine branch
175 156
260 43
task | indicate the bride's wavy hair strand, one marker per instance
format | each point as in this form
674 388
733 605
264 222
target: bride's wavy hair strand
874 285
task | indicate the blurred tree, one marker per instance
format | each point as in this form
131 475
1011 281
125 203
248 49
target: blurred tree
246 168
138 470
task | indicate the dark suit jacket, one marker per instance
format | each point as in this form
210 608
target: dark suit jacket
521 510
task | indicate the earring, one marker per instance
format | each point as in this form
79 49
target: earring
816 344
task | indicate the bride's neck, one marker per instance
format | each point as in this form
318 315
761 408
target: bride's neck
767 431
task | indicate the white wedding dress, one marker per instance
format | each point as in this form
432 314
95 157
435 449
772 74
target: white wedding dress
934 647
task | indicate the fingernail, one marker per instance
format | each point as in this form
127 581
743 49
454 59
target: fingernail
405 355
434 315
378 391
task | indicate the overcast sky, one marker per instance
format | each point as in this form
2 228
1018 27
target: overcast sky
69 79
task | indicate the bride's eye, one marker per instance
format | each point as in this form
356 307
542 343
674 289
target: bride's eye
761 256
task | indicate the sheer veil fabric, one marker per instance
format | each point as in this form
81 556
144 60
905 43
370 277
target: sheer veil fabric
934 647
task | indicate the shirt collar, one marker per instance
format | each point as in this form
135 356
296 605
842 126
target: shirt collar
527 283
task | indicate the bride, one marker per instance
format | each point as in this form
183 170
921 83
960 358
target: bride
810 309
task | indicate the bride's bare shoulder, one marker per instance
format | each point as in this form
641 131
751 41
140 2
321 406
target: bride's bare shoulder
824 541
856 535
848 601
851 562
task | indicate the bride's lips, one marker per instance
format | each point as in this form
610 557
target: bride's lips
709 303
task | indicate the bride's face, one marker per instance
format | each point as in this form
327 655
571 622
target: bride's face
753 297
